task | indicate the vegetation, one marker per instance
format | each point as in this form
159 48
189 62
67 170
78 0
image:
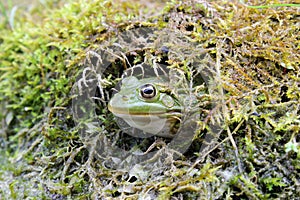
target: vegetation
43 54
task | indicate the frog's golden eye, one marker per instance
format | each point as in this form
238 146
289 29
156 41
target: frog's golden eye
148 91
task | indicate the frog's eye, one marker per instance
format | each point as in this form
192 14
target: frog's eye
148 91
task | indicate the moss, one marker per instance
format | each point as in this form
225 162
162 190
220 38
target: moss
42 54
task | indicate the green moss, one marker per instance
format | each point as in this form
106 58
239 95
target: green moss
256 48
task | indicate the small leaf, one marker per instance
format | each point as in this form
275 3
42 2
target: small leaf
9 117
291 146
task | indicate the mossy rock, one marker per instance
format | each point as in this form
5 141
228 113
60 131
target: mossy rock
43 54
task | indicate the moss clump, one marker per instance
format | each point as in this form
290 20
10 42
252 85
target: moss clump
256 51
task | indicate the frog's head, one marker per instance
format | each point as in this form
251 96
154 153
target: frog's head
147 104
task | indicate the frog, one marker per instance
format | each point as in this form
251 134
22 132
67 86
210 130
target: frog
147 104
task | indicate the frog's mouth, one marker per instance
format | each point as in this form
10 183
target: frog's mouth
156 124
141 116
125 113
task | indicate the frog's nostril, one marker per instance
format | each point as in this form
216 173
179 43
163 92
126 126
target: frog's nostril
125 98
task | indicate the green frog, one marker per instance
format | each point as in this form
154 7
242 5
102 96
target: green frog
147 104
